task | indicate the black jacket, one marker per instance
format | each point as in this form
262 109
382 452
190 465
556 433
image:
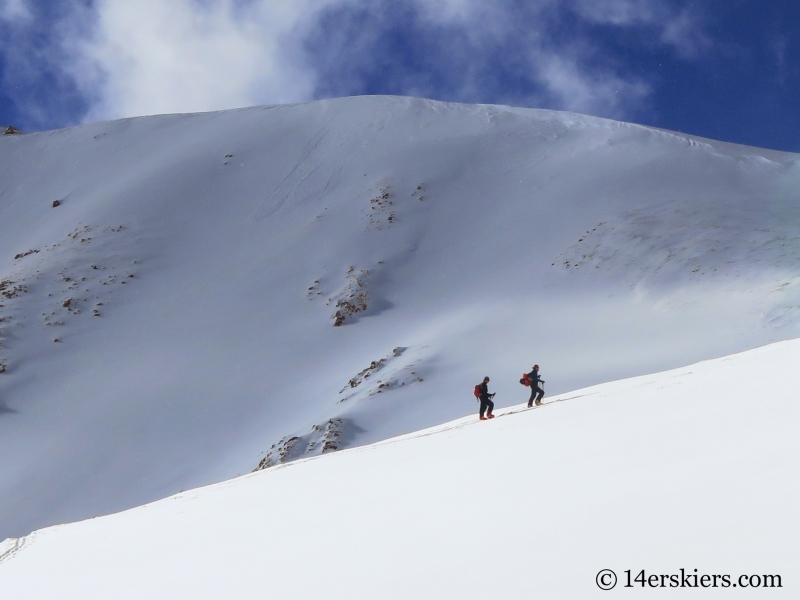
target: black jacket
534 378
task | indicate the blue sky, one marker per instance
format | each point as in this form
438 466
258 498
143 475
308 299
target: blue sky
726 70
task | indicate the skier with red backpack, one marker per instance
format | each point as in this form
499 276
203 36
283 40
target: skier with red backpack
482 394
533 380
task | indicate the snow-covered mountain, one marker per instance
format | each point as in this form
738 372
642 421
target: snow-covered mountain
195 268
686 474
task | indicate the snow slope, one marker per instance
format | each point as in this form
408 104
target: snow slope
694 468
196 265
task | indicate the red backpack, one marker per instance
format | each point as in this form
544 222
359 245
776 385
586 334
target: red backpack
525 381
477 391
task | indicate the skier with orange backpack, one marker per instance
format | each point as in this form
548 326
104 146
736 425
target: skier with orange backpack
482 394
533 380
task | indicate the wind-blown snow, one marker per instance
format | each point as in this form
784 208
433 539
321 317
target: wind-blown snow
196 265
693 468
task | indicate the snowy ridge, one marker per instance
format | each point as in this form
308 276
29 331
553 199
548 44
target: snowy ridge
659 472
215 281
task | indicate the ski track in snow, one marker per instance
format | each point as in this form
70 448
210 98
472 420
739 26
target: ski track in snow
11 547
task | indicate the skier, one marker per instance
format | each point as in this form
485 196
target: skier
486 400
536 392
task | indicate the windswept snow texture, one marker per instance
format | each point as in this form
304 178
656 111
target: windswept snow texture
694 468
215 282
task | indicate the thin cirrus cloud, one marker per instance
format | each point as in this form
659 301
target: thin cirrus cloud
106 59
679 28
14 10
534 54
35 37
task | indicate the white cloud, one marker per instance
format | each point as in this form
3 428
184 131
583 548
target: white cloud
554 63
620 12
160 56
468 11
14 10
157 56
684 33
680 29
572 88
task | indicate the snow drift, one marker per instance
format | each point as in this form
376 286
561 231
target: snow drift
186 298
